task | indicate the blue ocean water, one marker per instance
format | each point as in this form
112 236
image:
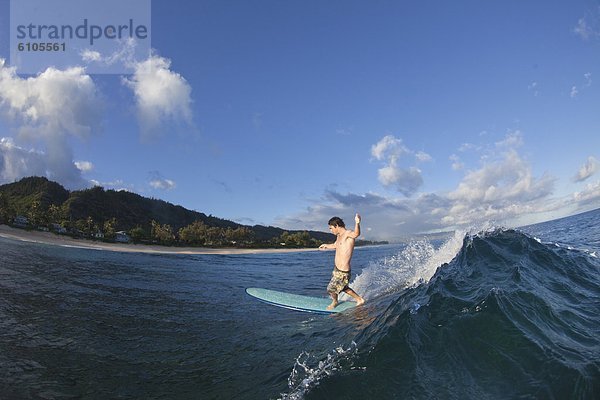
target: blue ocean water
491 314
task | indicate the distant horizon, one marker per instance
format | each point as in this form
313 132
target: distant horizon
421 117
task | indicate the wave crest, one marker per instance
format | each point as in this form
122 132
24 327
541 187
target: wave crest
415 264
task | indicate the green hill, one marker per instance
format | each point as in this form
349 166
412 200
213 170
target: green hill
24 193
85 212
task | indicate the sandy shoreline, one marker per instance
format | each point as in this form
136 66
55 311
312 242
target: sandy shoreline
66 241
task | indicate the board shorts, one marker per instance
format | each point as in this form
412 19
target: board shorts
339 281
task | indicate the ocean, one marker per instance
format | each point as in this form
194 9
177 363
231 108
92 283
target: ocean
485 314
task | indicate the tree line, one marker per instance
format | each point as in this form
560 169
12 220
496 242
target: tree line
100 214
196 234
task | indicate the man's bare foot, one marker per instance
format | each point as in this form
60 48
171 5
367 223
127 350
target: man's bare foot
332 305
360 302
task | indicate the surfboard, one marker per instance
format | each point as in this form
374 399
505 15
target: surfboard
298 302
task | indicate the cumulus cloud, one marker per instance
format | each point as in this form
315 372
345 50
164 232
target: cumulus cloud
51 104
17 162
405 180
56 163
157 181
590 195
84 166
588 169
501 190
46 109
493 190
163 184
161 94
384 217
389 147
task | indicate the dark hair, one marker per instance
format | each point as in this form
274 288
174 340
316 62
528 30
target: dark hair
336 221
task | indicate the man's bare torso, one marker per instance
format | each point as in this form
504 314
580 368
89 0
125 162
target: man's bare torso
344 247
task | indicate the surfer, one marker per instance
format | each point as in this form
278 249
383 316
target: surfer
344 247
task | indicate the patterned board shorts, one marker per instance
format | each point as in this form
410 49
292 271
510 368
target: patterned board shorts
339 281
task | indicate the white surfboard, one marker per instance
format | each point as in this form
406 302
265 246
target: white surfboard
298 302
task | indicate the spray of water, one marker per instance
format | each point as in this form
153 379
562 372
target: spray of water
415 264
308 371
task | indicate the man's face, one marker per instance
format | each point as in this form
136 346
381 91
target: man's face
334 229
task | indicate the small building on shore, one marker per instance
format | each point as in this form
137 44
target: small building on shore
122 237
21 221
58 229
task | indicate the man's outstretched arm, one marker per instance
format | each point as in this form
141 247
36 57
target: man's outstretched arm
327 246
356 232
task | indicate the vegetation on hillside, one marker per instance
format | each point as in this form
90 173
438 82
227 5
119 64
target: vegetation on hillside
99 213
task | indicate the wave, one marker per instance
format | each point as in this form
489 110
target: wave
415 264
503 316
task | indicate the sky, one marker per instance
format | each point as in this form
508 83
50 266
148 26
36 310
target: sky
422 116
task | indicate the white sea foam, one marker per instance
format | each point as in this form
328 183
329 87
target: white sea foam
416 263
308 371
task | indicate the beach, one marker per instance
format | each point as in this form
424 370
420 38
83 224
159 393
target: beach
67 241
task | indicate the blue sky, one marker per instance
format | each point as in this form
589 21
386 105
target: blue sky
422 116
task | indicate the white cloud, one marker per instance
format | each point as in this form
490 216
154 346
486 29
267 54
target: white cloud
590 195
384 216
389 147
498 190
502 190
574 92
46 109
157 181
457 164
84 166
164 184
52 103
17 162
584 30
423 157
161 94
513 139
405 180
118 185
91 56
124 54
587 82
588 169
